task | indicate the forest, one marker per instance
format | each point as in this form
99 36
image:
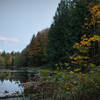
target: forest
73 38
70 48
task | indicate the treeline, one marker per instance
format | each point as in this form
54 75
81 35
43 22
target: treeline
73 38
8 59
33 55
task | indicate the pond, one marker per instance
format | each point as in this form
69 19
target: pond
11 83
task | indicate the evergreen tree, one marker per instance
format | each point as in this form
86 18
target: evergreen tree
67 28
35 52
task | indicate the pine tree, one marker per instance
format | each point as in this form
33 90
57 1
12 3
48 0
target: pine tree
35 52
66 29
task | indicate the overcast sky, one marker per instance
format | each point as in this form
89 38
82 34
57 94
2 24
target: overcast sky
20 19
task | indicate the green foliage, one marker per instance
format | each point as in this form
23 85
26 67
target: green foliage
20 60
7 59
35 52
67 28
12 60
2 61
44 73
68 86
88 87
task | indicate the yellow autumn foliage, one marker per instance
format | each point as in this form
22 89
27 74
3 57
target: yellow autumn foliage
86 41
95 11
83 47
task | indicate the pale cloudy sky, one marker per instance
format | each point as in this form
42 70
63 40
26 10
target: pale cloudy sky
20 19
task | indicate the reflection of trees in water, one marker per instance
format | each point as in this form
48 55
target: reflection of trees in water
16 76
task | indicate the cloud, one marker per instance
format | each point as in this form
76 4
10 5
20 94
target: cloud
9 39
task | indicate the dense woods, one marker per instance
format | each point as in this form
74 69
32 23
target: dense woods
73 33
35 52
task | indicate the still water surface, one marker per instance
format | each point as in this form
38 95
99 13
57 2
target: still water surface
11 82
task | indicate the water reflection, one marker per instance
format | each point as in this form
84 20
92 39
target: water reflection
8 88
10 81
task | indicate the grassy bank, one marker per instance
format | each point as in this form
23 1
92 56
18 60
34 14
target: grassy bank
66 86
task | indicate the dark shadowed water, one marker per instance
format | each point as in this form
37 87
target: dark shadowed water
11 83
